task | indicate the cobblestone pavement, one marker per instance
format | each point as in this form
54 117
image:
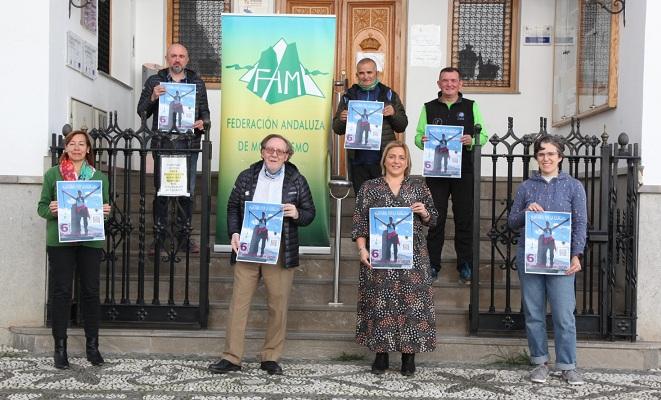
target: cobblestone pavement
25 376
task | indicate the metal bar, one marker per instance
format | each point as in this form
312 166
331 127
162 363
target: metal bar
205 229
474 307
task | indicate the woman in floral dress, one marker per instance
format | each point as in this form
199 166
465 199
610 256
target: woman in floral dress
395 307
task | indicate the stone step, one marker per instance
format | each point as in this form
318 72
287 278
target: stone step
320 345
313 292
340 319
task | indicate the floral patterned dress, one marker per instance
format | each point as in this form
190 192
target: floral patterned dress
395 307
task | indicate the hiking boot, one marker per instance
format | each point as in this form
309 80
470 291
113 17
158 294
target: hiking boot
539 374
433 273
465 273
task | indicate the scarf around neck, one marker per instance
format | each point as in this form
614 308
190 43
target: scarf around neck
370 87
68 171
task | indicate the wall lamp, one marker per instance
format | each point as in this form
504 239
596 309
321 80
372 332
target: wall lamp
618 6
83 4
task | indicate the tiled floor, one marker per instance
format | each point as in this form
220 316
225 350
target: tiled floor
27 376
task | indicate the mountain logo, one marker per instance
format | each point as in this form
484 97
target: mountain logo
279 75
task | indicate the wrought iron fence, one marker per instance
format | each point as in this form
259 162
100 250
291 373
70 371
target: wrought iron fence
150 278
606 287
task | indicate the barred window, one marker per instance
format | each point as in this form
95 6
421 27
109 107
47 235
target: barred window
484 44
196 25
103 50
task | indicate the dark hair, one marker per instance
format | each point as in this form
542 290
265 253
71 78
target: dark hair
450 69
90 154
550 139
290 148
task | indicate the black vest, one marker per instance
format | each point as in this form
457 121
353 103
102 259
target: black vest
459 114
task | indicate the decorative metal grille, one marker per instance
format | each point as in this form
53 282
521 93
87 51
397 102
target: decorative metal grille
594 55
103 52
482 32
196 25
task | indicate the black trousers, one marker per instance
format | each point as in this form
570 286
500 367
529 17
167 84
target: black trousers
461 191
364 172
63 262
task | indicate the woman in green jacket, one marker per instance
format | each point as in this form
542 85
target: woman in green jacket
76 163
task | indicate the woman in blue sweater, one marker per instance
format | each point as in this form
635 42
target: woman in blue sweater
551 190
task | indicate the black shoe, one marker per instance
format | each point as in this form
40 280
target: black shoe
223 366
380 364
408 364
92 351
271 367
465 273
433 273
60 358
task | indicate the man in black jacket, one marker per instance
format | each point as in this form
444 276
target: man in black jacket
176 72
272 180
365 164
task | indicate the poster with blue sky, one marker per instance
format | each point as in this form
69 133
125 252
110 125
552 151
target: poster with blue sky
442 151
261 233
176 107
80 211
391 237
364 124
548 242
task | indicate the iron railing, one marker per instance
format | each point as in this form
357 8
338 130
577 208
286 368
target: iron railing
149 277
606 287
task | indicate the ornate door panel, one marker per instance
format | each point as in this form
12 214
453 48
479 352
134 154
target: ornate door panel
373 28
365 28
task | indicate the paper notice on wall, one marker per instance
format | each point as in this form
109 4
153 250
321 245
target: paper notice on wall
426 46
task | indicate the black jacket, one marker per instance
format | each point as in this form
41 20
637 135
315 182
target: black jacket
151 107
394 123
295 190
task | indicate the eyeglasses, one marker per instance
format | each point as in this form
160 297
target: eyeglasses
550 154
277 152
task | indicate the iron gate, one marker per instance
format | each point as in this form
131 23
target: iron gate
606 286
149 278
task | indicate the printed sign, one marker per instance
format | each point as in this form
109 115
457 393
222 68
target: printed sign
261 233
391 237
364 124
176 107
442 151
548 242
80 211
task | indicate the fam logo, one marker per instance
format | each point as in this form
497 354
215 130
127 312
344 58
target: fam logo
278 75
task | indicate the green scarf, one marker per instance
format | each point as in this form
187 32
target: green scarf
370 87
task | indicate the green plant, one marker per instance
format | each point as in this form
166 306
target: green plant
504 357
349 357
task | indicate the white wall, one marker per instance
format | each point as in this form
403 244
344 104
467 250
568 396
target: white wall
627 116
24 28
534 99
105 93
651 101
535 76
150 47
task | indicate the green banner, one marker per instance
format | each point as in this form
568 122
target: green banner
277 77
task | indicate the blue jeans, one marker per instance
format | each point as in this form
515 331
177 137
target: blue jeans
559 290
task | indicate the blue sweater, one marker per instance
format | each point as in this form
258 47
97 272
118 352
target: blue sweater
563 193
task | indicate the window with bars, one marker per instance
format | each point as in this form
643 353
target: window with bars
103 49
484 44
196 25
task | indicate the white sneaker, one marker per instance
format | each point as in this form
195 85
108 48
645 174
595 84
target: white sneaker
539 374
572 377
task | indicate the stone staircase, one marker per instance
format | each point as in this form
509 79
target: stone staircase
316 329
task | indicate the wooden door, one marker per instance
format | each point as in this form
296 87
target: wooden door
365 28
372 28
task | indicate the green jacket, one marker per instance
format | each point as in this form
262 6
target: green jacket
49 193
